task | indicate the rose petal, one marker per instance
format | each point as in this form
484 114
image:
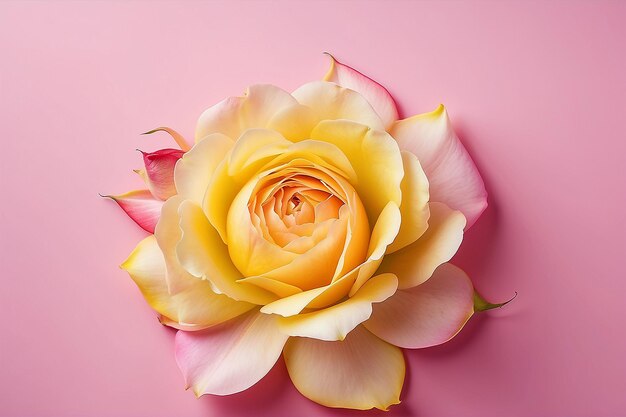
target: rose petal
194 306
277 287
196 168
360 372
334 323
384 232
294 122
140 206
230 357
454 179
415 263
330 101
203 254
426 315
159 171
256 109
375 157
414 209
374 93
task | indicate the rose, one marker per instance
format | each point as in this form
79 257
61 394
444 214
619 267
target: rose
314 224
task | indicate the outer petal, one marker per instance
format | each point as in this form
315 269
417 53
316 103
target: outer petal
194 171
361 372
454 179
231 357
159 171
194 306
376 94
331 102
203 254
426 315
256 109
416 263
334 323
140 206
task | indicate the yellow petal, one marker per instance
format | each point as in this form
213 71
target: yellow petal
334 323
415 263
256 109
384 233
277 287
203 254
194 306
294 122
361 372
194 170
414 208
375 157
331 102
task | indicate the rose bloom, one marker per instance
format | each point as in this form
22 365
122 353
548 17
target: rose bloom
313 224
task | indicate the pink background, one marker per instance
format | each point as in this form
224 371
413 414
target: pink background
535 89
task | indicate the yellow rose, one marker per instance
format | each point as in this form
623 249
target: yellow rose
313 224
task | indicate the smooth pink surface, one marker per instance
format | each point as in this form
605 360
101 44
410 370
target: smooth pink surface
536 90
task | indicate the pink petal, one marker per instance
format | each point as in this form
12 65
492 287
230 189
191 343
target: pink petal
229 357
160 171
140 206
453 177
427 315
374 93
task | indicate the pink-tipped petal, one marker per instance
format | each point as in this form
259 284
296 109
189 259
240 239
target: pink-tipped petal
178 138
453 177
159 171
229 357
427 315
360 372
376 94
140 206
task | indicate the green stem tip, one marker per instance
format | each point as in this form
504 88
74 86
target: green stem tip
480 304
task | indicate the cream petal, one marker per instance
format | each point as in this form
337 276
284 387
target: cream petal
194 171
194 306
374 93
235 115
426 315
253 145
360 372
414 209
454 179
231 357
415 263
334 323
203 254
330 101
294 122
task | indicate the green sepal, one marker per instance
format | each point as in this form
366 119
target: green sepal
480 304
